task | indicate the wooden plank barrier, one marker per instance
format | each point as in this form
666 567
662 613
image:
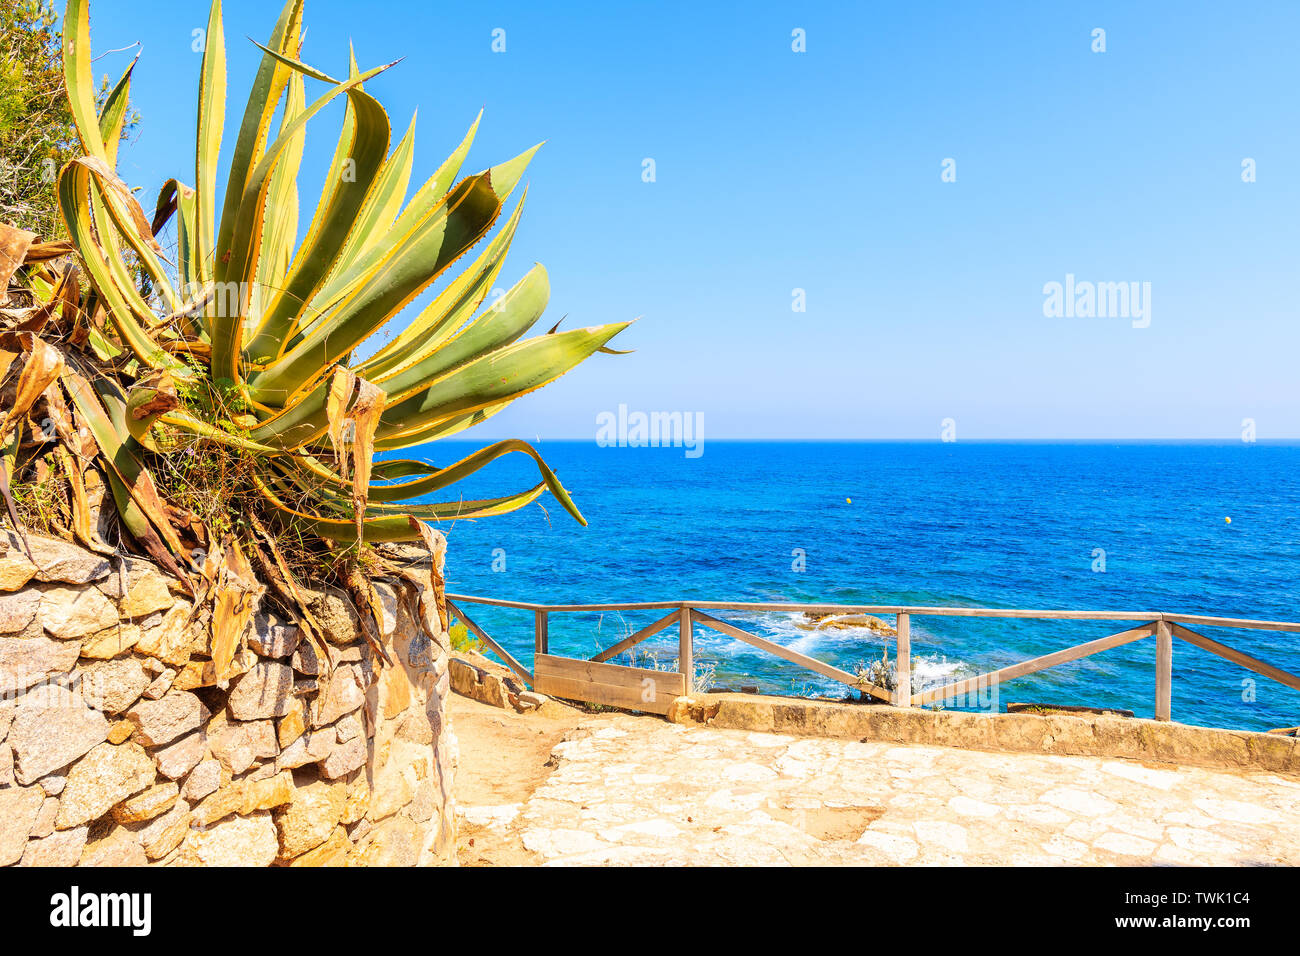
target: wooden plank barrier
653 691
633 688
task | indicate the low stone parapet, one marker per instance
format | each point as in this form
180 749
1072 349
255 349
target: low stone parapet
1091 735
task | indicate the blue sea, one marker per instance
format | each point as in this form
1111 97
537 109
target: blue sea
1093 525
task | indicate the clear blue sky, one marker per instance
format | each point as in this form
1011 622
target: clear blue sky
821 170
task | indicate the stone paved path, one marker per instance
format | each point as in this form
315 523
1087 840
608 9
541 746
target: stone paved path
631 790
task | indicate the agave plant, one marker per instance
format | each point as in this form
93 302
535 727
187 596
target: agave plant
229 386
249 344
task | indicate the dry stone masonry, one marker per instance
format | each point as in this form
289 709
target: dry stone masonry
118 747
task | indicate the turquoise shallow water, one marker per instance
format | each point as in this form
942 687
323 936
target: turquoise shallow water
977 524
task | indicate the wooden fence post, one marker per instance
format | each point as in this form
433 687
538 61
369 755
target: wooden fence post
903 662
1164 670
686 649
542 637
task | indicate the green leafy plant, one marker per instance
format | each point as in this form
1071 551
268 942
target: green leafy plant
228 393
270 333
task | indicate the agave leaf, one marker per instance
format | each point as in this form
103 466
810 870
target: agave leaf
503 323
443 428
146 402
352 425
357 161
347 274
272 76
107 422
126 309
396 527
446 313
442 477
280 229
241 247
458 222
42 365
142 529
109 194
384 201
112 117
236 593
212 114
79 78
504 374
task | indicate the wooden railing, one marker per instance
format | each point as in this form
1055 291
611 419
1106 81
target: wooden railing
688 615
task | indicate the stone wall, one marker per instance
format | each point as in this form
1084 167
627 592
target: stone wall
117 747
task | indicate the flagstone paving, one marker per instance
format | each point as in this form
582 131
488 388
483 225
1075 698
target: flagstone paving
638 791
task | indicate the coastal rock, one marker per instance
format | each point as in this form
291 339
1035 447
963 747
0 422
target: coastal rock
61 848
203 780
118 847
273 791
52 784
203 673
18 809
51 728
104 777
309 819
147 804
227 800
60 561
333 852
387 608
177 759
265 691
333 610
139 588
114 685
237 744
344 758
163 834
238 841
32 657
345 692
161 684
162 721
111 641
75 612
293 724
358 802
15 570
170 640
18 610
305 660
395 842
309 748
273 636
44 824
835 622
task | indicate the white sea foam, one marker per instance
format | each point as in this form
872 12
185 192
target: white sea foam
845 647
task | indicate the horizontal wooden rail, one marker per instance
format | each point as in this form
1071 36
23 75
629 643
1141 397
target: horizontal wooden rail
1164 626
1046 614
482 635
